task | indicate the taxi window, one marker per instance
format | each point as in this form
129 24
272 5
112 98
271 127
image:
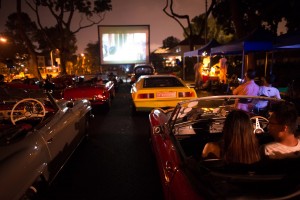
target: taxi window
143 71
162 82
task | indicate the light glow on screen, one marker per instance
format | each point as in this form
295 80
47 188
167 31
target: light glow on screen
124 44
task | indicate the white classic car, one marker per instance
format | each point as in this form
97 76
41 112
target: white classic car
37 136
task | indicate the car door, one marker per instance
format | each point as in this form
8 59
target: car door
167 159
174 181
62 135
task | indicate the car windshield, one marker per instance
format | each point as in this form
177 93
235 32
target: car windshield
162 82
201 108
143 70
215 107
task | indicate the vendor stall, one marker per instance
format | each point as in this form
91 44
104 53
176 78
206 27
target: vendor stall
198 53
242 48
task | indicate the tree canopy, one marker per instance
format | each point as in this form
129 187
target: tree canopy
239 17
243 16
170 42
66 25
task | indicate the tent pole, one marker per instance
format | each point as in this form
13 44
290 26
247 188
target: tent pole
243 65
271 67
266 64
183 68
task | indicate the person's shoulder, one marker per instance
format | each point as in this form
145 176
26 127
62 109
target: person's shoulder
262 88
211 150
271 148
274 89
272 145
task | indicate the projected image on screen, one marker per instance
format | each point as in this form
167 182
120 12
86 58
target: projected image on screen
127 47
124 44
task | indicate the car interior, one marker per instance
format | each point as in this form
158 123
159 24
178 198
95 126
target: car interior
205 125
28 113
198 128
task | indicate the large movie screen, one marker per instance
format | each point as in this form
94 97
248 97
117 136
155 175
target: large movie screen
124 44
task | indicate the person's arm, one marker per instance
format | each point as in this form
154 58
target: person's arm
236 90
277 94
211 150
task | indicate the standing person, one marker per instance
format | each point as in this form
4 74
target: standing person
223 70
198 75
267 90
239 144
282 127
247 88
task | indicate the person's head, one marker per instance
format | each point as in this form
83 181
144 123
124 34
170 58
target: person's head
283 120
250 74
270 79
239 142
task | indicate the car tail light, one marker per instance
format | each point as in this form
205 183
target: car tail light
146 96
98 96
186 94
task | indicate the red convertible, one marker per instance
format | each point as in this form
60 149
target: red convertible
98 91
179 135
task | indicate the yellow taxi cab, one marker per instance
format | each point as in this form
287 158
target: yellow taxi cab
159 91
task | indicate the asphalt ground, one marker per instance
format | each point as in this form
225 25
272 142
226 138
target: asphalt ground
116 162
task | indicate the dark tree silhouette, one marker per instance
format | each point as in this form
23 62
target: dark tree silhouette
241 17
170 42
188 32
62 12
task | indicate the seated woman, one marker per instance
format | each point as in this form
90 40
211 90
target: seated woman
239 144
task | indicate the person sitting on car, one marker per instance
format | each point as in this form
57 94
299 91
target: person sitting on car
282 127
267 90
247 88
239 144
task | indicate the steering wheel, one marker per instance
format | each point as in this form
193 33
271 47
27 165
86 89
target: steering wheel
259 123
27 108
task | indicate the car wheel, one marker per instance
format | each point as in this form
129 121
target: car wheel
133 109
107 105
87 124
37 190
113 94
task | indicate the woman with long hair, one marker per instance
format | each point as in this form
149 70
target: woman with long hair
239 144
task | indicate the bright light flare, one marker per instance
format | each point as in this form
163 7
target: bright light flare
3 39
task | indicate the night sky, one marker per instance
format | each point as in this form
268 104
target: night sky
128 12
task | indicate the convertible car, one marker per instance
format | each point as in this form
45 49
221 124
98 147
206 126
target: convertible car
179 135
37 136
163 91
98 90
